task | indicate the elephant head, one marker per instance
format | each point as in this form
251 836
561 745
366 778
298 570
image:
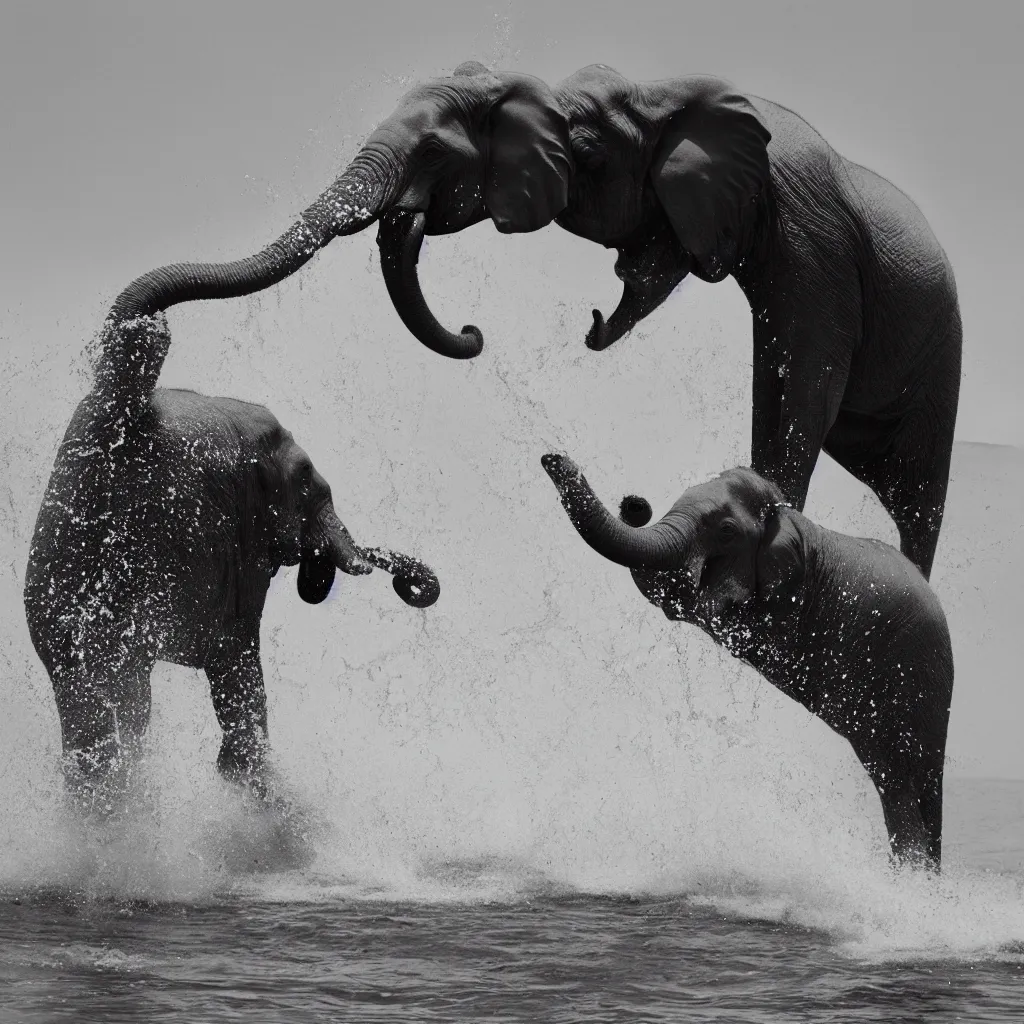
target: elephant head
669 173
457 150
305 529
720 545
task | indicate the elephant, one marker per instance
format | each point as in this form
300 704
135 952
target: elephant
856 322
165 518
848 627
457 150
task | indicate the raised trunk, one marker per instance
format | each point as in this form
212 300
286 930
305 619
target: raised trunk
400 237
414 582
656 548
350 204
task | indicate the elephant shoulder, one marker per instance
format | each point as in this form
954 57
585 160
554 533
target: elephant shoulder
882 579
796 145
901 238
228 423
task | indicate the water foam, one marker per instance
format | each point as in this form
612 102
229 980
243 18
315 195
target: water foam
541 730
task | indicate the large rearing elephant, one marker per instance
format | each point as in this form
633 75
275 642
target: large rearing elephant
857 332
457 150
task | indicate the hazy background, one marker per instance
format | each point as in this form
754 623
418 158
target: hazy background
541 697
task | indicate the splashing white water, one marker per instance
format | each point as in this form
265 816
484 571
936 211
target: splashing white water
541 728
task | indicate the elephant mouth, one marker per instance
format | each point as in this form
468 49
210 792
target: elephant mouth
508 226
528 218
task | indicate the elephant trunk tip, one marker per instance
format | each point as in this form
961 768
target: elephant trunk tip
472 343
560 468
635 511
399 238
598 337
413 581
419 591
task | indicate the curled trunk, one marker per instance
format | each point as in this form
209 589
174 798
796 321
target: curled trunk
400 237
656 548
414 582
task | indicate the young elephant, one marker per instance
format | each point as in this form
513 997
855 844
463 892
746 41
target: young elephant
846 626
166 516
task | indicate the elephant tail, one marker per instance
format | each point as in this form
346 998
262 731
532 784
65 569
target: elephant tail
130 356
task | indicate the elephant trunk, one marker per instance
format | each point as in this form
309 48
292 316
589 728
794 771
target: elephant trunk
350 204
327 547
400 237
656 548
650 266
341 548
414 582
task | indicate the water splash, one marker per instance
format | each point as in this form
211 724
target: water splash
539 730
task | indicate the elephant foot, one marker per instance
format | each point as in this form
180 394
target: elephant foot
98 779
912 843
242 761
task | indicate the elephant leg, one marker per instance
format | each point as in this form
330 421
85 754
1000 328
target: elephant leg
240 703
909 839
134 705
104 715
904 457
909 473
797 395
88 725
931 813
766 402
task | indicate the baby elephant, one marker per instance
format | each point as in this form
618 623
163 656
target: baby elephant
166 516
846 626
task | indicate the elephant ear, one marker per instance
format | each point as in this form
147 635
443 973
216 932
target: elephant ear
316 577
781 564
709 166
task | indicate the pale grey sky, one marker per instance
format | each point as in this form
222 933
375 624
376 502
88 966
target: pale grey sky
136 135
140 133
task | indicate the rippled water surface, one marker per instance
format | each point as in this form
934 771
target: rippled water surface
572 958
492 938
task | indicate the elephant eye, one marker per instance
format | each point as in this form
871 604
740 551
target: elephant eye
432 153
588 150
728 530
305 479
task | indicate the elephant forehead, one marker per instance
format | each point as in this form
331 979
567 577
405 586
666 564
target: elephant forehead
434 106
747 488
730 494
530 89
595 79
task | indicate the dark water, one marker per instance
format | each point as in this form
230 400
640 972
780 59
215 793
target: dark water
564 959
494 939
